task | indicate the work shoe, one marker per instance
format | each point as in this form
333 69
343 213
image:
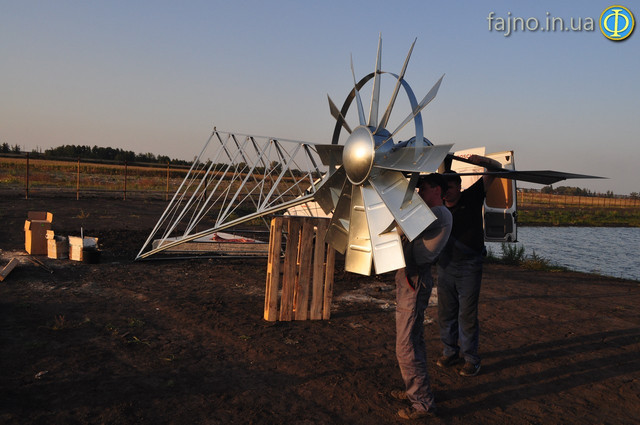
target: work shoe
470 369
446 361
399 394
411 413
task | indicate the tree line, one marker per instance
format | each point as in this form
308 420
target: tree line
96 152
576 191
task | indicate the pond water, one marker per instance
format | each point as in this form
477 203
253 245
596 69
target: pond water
610 251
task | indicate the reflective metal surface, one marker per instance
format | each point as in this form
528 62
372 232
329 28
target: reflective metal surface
414 218
426 160
358 155
359 254
385 243
339 226
330 189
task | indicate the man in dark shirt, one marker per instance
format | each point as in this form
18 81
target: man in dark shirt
460 271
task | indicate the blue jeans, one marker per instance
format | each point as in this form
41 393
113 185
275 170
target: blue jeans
412 300
458 295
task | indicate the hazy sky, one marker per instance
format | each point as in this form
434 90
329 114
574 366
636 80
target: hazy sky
156 76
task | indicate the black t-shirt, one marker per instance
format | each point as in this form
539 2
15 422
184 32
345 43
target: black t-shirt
468 227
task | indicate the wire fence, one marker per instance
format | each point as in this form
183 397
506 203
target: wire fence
82 177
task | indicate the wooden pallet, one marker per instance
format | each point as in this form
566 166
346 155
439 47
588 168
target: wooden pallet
7 269
306 272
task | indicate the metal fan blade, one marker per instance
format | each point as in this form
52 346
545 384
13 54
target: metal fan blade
375 94
387 113
335 113
361 117
358 256
330 154
425 101
386 244
338 234
328 194
413 218
404 159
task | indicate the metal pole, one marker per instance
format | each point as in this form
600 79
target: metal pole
125 180
78 181
26 195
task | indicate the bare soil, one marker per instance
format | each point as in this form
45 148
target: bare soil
184 342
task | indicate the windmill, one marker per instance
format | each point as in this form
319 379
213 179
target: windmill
369 192
368 185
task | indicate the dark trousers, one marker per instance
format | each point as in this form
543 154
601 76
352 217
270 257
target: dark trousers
412 300
458 295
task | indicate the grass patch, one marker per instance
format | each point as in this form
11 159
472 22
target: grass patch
514 255
592 217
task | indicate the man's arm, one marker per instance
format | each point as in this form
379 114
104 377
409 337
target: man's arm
427 247
485 162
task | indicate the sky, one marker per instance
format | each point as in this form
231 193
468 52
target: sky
157 76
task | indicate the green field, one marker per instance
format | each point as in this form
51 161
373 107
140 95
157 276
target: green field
537 209
571 216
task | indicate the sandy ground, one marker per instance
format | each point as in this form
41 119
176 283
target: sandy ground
184 342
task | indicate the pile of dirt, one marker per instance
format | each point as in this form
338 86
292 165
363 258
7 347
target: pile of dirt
168 342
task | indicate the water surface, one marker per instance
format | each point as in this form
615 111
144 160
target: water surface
610 251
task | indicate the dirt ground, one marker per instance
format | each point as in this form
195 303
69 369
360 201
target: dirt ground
184 342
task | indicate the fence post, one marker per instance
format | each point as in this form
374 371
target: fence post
78 181
125 180
166 195
26 193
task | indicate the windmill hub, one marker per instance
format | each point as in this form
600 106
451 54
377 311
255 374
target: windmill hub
358 155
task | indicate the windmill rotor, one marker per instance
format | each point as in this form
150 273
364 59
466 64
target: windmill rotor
370 187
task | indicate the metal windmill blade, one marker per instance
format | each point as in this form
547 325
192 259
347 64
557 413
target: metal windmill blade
371 182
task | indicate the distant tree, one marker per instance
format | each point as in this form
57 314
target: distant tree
5 148
567 190
16 149
276 166
634 195
146 157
